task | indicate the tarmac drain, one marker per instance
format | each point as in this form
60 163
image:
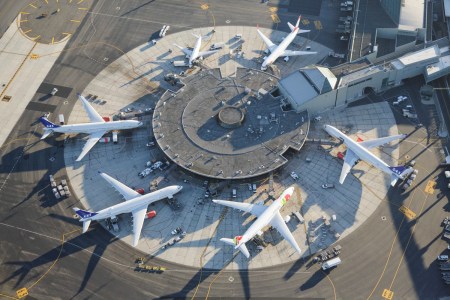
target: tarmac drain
383 218
407 156
52 159
106 59
231 279
66 102
228 21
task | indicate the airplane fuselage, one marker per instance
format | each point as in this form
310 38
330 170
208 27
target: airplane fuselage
195 51
136 203
265 218
359 150
279 49
97 126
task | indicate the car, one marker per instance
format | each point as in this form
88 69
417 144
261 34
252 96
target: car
327 186
177 239
176 230
249 186
448 247
442 257
150 144
54 91
294 175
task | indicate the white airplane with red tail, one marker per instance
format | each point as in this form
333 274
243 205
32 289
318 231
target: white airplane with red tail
265 215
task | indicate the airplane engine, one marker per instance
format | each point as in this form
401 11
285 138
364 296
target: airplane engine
286 59
150 214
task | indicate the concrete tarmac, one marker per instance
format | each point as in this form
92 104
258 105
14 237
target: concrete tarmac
391 253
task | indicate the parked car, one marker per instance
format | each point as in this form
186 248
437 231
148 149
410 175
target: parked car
442 257
327 186
294 175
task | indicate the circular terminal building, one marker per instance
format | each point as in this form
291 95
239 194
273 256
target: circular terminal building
227 128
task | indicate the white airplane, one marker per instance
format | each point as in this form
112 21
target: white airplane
360 150
265 215
135 203
195 53
280 50
96 129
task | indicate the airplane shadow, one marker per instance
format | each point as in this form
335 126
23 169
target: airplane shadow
70 247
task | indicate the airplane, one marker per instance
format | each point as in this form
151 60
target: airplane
360 150
265 215
280 50
96 128
195 53
135 203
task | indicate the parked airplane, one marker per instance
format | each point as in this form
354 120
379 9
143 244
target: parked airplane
96 129
195 53
280 50
265 215
360 150
135 203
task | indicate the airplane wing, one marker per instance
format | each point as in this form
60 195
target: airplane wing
271 46
296 53
254 209
138 222
349 161
204 53
92 113
93 139
185 50
125 191
369 144
278 222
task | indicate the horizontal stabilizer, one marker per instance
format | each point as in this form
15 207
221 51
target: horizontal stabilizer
84 214
46 133
394 179
86 225
47 123
241 247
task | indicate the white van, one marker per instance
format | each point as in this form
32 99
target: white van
331 263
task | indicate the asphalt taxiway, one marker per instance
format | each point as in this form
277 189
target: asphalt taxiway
388 252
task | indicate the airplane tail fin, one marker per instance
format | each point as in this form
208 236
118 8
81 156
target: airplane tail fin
298 21
84 214
399 172
235 242
47 123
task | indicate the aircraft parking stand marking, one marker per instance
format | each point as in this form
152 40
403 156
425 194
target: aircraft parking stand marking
318 25
407 212
407 244
387 294
394 239
275 18
430 187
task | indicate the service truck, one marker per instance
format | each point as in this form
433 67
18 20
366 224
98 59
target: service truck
331 263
